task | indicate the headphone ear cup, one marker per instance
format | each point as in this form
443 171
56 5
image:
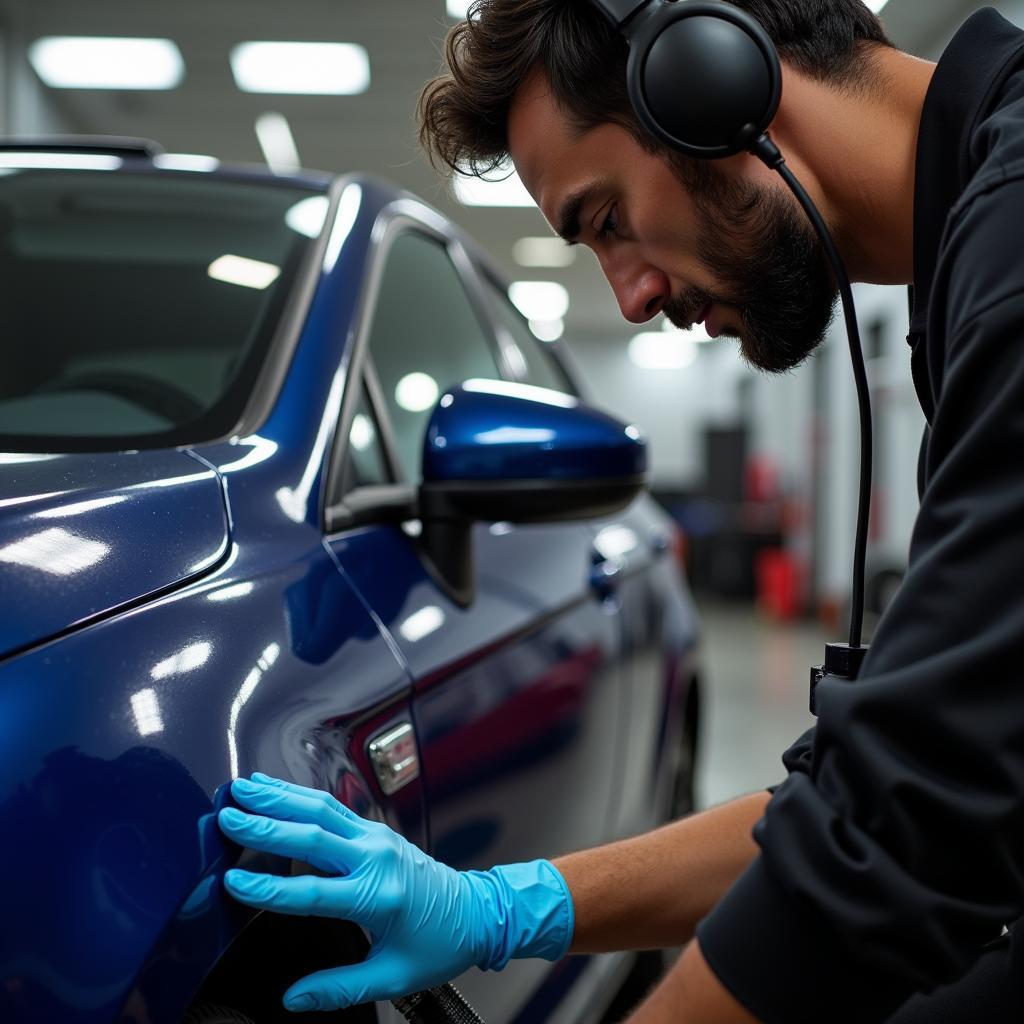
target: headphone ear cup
704 77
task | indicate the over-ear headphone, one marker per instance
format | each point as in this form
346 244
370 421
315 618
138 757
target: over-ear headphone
704 76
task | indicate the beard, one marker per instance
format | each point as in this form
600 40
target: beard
772 265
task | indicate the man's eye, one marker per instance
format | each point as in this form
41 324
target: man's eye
610 224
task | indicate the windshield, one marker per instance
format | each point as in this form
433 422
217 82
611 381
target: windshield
139 308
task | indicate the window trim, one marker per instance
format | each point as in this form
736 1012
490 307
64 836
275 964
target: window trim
402 216
489 279
281 350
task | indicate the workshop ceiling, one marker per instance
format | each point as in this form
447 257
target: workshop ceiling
374 131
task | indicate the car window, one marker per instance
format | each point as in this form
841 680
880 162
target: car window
425 337
365 463
138 308
537 365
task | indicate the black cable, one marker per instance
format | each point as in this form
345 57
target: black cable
769 153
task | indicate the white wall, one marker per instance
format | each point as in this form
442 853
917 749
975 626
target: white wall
676 406
673 406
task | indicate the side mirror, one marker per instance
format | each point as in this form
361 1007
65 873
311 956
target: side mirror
501 452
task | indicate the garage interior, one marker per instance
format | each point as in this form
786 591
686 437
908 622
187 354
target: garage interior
738 458
759 473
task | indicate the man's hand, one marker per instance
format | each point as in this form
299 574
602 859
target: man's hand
428 923
691 994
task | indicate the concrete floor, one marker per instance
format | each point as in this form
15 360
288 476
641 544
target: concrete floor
756 674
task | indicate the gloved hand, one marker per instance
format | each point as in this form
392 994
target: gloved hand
428 922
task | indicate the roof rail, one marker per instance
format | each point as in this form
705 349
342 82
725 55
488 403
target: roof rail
114 144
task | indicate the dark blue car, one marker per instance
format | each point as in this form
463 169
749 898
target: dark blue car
288 485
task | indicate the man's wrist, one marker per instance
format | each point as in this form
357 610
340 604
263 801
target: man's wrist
531 909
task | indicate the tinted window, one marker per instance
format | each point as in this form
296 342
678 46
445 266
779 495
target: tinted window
138 309
537 366
425 338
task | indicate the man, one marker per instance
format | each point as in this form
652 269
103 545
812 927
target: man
875 884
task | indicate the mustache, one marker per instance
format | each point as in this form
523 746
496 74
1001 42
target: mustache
683 309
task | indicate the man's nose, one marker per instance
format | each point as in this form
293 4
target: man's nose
641 291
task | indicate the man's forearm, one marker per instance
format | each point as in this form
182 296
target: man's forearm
650 892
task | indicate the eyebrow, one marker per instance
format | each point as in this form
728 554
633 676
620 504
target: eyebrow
568 219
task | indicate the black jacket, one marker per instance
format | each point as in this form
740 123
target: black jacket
894 851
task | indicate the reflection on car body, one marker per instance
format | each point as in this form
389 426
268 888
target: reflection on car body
217 556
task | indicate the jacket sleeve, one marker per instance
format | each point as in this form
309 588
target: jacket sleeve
895 849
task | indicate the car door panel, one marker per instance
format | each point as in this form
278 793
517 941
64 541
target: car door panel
516 701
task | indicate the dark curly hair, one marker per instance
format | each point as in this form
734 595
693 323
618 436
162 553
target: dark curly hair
463 114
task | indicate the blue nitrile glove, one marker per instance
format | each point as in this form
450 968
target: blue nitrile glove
428 922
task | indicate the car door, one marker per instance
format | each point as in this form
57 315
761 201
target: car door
517 697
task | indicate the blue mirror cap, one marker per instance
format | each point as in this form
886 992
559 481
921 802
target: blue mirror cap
496 430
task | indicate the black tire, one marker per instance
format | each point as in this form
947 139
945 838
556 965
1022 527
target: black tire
211 1013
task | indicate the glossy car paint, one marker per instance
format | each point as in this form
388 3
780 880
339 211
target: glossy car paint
485 431
285 653
76 535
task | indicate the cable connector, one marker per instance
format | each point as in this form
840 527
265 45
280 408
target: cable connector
841 662
767 152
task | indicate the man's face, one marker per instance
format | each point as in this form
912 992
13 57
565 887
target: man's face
695 243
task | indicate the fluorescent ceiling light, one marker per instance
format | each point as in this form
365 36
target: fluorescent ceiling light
548 330
876 5
543 252
697 333
84 62
312 69
61 161
417 392
458 9
501 187
245 272
277 142
540 300
656 350
307 216
186 162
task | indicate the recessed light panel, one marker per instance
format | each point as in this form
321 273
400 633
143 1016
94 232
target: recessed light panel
501 187
322 69
102 62
548 330
543 252
540 300
657 350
